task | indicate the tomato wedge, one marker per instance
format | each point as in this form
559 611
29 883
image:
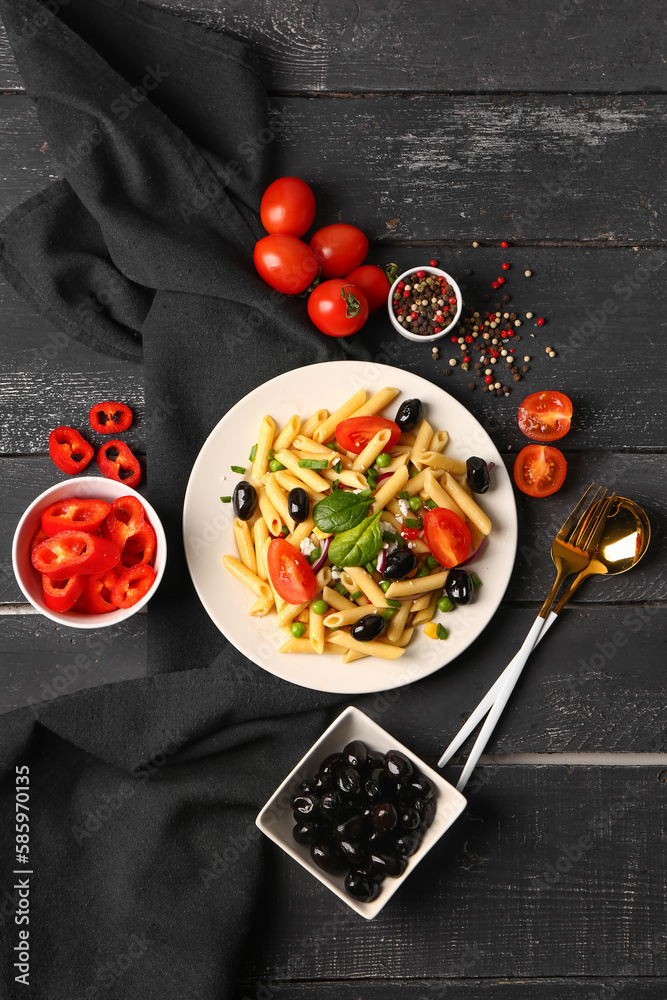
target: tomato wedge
290 572
447 536
539 470
354 433
545 416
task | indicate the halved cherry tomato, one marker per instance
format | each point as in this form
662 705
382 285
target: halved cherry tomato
339 248
447 536
539 470
288 206
74 513
132 585
290 572
545 416
338 308
285 263
61 595
354 433
74 552
97 597
373 282
107 418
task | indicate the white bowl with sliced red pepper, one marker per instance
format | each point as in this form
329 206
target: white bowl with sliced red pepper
424 304
89 552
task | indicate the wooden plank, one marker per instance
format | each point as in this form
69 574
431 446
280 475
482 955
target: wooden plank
346 46
641 476
40 661
531 167
459 989
551 872
603 310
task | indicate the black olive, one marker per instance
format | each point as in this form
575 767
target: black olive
244 500
350 829
327 857
331 805
409 819
367 628
384 817
361 886
387 864
459 586
397 766
348 781
331 763
375 759
305 804
426 810
305 833
477 475
298 505
408 843
409 414
376 784
355 754
399 563
421 788
353 852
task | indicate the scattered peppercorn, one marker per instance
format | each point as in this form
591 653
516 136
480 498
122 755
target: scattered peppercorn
504 244
433 263
446 371
541 321
505 266
471 385
528 274
468 272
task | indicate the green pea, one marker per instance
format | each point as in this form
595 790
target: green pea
416 503
432 562
284 531
444 603
422 571
275 465
319 607
315 555
298 628
383 460
385 585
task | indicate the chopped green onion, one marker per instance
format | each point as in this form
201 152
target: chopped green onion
319 607
315 555
313 463
441 632
383 460
226 499
385 585
238 468
392 603
272 452
356 595
297 629
432 562
389 536
341 589
370 567
412 522
401 543
332 445
416 503
415 472
388 613
422 571
275 465
403 495
253 452
444 603
431 504
476 582
337 466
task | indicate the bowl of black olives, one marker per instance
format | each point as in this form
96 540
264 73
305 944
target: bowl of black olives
360 811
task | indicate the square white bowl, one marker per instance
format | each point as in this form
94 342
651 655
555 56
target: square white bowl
277 821
417 337
29 579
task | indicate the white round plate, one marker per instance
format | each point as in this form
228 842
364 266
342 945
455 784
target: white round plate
208 535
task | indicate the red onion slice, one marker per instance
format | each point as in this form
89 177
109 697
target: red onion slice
413 597
385 475
317 566
382 558
490 466
475 553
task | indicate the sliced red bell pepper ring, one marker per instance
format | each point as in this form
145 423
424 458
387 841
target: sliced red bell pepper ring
96 598
124 461
69 451
74 552
74 514
133 584
125 518
139 547
110 418
37 538
61 595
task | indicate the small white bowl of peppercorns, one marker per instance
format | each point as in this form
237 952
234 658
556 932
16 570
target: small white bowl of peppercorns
424 304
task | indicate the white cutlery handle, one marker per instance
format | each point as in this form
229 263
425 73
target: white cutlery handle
509 683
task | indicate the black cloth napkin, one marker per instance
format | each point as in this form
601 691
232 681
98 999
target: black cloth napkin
144 793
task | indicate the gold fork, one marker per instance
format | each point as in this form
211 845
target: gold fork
572 550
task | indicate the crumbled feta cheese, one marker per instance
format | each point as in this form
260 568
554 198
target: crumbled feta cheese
386 526
335 575
357 491
307 547
390 547
411 545
404 507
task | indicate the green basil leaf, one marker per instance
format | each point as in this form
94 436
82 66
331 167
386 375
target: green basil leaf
358 545
341 510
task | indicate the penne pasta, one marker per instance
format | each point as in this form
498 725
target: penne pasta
438 461
288 481
327 427
278 498
304 646
367 585
261 607
425 614
347 477
323 577
336 600
350 654
398 622
318 417
308 477
422 440
289 612
377 402
403 639
250 579
260 465
397 463
376 445
389 488
405 588
374 648
269 512
435 492
420 603
316 630
288 433
350 615
244 545
417 482
467 504
301 532
439 441
261 540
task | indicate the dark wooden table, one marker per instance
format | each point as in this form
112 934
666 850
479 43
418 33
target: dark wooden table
432 126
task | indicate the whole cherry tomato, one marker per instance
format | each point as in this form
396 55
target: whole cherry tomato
288 206
339 248
373 282
337 308
285 263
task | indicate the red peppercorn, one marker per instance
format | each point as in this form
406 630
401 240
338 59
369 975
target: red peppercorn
452 300
453 339
512 350
437 329
501 280
469 339
400 310
401 284
433 263
421 274
504 244
510 333
406 295
503 334
505 266
414 315
540 321
467 358
488 379
494 285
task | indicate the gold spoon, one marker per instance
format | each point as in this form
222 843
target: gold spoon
625 539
